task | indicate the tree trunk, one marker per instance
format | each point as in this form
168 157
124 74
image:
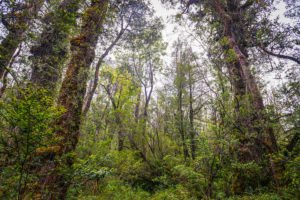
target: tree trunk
17 31
244 82
53 182
182 130
121 136
180 89
51 51
259 138
137 108
94 84
191 115
180 113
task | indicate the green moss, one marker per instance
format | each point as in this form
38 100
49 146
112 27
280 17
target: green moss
230 56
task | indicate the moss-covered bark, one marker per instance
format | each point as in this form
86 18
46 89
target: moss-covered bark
17 30
53 182
243 81
51 51
256 137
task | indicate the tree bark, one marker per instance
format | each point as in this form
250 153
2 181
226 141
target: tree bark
241 75
180 89
181 127
259 138
137 108
180 114
53 182
17 31
191 115
51 51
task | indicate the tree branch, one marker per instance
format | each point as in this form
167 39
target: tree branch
278 55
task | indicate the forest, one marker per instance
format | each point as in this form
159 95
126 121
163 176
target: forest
149 99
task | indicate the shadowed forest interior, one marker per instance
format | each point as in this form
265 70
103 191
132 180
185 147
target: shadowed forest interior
149 99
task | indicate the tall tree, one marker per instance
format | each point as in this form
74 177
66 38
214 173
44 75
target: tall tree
185 83
120 90
16 17
53 183
180 84
51 50
131 16
142 59
232 20
244 82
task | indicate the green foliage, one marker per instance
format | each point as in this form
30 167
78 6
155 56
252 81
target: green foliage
26 125
177 193
231 56
116 189
292 175
266 196
193 138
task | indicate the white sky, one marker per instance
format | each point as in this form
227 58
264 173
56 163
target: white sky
166 15
169 35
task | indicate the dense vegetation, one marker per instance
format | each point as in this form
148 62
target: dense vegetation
97 103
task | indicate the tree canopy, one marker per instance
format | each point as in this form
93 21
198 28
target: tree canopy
99 101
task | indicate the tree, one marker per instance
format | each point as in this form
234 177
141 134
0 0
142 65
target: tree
71 98
129 16
50 52
121 91
144 60
133 119
231 19
16 17
25 127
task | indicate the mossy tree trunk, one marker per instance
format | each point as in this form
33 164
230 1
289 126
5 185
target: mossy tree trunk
51 50
257 138
17 23
243 81
53 182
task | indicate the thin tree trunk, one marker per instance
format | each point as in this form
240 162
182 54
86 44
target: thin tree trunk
180 122
118 120
121 136
53 183
180 114
137 108
7 71
181 126
91 92
191 116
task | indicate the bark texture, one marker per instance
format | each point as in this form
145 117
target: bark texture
51 51
243 81
53 183
17 23
257 138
